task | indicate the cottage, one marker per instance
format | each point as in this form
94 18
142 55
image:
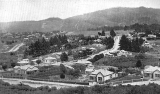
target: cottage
23 62
27 69
50 60
89 69
100 76
151 72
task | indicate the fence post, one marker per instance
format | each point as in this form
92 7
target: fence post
122 81
132 80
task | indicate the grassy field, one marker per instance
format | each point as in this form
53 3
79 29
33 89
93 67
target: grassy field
127 61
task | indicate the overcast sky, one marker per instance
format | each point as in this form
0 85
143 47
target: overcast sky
20 10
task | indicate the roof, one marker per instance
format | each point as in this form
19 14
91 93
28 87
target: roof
50 58
34 60
104 72
151 68
26 67
23 62
83 62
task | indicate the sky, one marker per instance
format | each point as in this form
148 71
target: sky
22 10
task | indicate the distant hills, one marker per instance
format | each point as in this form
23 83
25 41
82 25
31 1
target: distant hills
119 16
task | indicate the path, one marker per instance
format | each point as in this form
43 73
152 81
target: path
16 47
113 49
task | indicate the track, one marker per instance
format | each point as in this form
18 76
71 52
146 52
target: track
16 47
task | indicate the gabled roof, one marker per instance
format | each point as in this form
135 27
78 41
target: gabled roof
151 69
104 72
50 58
26 67
83 62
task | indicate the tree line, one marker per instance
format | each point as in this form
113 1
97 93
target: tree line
43 47
133 45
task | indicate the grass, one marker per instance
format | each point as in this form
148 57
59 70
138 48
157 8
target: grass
127 61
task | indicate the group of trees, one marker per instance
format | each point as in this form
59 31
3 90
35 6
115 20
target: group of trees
42 47
96 58
5 66
76 72
133 45
81 53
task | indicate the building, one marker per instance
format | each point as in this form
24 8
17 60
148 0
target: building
23 62
50 60
83 62
21 72
100 76
151 72
27 69
89 69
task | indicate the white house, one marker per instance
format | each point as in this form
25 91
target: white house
50 60
26 69
23 62
89 69
151 72
100 76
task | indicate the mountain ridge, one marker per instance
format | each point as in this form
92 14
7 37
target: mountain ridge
118 16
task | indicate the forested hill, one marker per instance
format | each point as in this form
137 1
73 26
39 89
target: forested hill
119 16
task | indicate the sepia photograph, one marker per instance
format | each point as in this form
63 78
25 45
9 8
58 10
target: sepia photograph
79 46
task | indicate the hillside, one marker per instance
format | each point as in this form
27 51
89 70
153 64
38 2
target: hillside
110 17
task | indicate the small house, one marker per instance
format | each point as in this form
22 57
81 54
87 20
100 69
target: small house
100 76
23 62
151 72
50 60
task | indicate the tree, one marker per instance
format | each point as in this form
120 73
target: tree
138 64
64 57
103 33
13 64
62 76
112 33
63 69
4 67
38 62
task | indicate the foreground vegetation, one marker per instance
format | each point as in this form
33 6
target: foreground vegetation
24 89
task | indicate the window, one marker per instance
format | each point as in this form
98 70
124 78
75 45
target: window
157 75
146 74
99 78
91 78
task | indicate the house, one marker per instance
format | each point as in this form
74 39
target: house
34 61
100 76
50 60
151 72
27 69
89 69
23 62
21 72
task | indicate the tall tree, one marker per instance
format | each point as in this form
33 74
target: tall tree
64 57
4 67
38 62
112 33
139 64
63 69
103 33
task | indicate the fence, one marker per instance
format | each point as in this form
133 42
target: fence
60 81
126 81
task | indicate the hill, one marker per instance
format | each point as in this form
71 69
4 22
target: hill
119 16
